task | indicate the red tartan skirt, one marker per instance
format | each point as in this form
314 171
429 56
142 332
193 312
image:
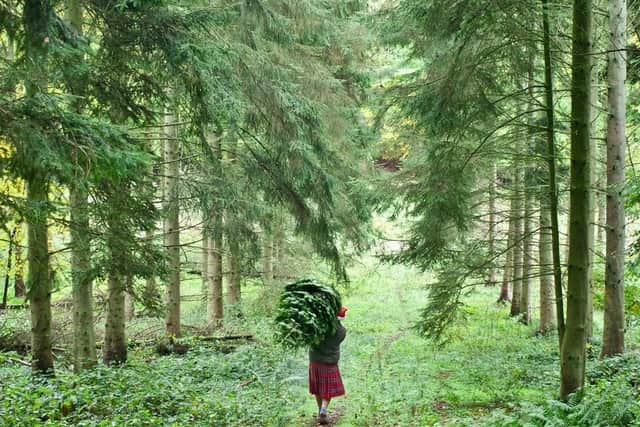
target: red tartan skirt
325 381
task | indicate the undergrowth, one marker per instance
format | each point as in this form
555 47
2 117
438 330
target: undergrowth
203 387
497 372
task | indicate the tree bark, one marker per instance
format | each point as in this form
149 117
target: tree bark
575 338
5 293
267 259
516 295
527 258
151 296
613 332
507 275
233 291
204 259
547 318
115 342
36 21
39 280
601 201
491 281
129 306
19 288
551 164
84 336
592 194
172 227
215 307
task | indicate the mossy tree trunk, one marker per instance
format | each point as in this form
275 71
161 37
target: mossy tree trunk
573 348
36 21
115 341
39 279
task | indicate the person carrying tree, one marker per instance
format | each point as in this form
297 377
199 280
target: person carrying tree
325 381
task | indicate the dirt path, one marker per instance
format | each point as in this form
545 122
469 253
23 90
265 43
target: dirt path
333 416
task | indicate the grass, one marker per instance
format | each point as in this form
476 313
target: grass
498 372
397 378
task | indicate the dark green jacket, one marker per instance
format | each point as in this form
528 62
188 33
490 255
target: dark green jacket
328 351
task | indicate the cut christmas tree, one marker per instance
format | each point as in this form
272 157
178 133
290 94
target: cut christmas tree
307 313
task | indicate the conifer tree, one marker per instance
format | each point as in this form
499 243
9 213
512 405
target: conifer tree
613 331
84 345
573 349
36 18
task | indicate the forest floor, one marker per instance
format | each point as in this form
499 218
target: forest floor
495 372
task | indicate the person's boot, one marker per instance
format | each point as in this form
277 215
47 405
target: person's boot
323 419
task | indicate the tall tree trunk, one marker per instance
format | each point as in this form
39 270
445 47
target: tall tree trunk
278 248
601 223
508 264
527 258
516 296
129 303
172 227
36 20
5 293
204 259
613 332
574 342
233 290
215 307
267 259
151 293
527 238
115 342
19 288
84 336
39 280
551 162
492 225
547 318
592 194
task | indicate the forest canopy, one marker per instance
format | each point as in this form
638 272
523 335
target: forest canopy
170 169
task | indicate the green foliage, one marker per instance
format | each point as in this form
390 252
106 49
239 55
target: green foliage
631 292
498 373
307 313
462 98
202 388
611 398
